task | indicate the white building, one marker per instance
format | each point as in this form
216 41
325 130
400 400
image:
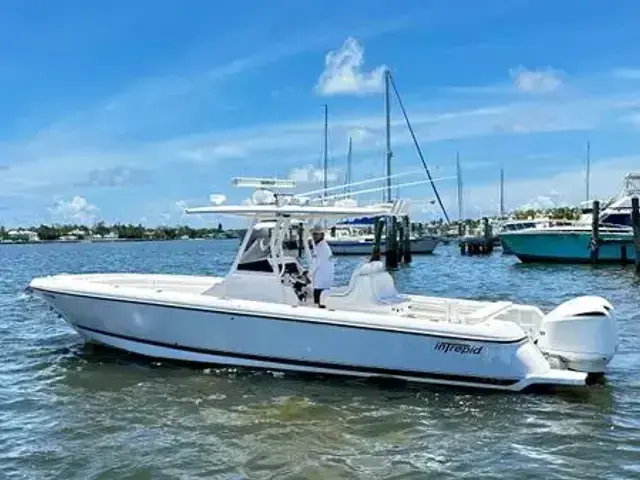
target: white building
27 235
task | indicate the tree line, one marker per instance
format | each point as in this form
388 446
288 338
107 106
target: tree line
123 231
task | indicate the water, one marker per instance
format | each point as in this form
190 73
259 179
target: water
68 410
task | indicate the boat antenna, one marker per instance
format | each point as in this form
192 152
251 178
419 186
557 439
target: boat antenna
588 174
417 145
502 191
325 167
387 78
459 175
348 175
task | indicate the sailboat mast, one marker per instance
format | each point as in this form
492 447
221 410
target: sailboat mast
387 73
502 191
587 179
459 174
326 156
348 182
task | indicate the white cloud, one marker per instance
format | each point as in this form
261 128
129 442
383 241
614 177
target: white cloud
541 202
633 119
563 188
536 81
215 152
217 198
78 209
361 135
310 174
342 73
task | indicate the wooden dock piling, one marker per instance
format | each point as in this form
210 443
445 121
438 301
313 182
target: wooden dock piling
391 245
478 244
377 239
487 236
407 240
595 232
635 222
400 241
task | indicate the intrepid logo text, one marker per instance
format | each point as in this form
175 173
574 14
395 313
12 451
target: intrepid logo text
446 347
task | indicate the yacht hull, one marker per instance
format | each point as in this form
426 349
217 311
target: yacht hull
567 247
297 344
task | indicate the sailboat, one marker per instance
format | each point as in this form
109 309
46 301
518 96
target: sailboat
356 236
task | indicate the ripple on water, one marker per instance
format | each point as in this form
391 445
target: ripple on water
69 410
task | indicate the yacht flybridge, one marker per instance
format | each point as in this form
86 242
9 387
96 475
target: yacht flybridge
262 315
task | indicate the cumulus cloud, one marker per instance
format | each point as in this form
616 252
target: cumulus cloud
342 73
215 152
217 198
78 209
541 202
117 176
536 81
310 174
361 135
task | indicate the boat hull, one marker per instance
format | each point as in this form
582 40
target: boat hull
233 339
567 247
424 245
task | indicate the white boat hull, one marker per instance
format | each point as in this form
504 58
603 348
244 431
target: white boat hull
424 245
311 344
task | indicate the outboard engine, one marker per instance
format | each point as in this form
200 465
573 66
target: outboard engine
581 333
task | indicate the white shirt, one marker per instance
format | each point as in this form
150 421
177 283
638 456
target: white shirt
322 269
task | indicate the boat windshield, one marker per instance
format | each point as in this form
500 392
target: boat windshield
257 252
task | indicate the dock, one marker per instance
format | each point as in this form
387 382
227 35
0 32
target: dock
478 244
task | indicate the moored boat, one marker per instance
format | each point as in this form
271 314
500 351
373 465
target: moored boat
571 242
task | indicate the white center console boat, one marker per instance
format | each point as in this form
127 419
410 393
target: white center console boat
261 314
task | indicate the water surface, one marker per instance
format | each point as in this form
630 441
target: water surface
69 410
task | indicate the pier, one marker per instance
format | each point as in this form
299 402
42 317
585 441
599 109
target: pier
478 244
626 244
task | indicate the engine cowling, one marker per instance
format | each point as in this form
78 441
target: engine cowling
582 333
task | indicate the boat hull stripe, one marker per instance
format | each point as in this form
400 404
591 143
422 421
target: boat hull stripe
313 364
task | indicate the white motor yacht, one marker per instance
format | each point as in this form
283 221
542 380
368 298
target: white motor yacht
262 315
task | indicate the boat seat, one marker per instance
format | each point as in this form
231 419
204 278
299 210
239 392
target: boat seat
370 288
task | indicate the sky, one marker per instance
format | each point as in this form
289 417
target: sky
132 111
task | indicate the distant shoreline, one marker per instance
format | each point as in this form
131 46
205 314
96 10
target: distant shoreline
114 240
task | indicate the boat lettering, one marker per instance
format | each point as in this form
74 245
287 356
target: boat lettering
462 348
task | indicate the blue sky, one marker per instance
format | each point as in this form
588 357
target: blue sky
130 111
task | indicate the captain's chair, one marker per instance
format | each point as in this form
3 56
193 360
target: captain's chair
370 288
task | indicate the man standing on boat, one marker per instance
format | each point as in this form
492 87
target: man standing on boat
322 266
